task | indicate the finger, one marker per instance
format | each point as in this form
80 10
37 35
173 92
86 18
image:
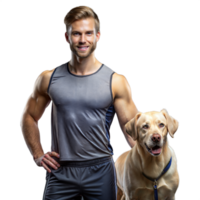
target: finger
55 154
49 153
50 161
43 164
54 163
53 160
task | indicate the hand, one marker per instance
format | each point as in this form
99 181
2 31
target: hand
47 160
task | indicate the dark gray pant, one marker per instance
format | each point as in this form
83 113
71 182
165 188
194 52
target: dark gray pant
88 180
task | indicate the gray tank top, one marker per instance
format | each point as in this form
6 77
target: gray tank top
82 112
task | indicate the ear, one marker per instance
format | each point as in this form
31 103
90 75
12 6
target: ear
172 124
131 126
65 37
98 36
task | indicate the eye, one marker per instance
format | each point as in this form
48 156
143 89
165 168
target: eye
145 126
161 125
89 33
75 33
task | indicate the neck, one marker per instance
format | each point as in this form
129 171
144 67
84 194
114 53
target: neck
84 66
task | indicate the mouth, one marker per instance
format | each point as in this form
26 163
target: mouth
155 151
83 48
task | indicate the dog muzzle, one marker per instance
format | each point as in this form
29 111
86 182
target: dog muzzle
155 151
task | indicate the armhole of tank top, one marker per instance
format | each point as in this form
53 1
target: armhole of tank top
51 80
111 76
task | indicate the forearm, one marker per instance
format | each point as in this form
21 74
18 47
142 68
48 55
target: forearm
31 135
130 141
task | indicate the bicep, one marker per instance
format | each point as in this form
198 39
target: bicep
35 107
125 110
123 103
39 98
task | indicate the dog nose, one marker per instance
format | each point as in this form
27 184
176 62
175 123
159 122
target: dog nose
156 137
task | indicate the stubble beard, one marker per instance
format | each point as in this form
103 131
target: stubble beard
83 56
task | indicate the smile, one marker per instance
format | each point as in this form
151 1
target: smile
155 151
83 48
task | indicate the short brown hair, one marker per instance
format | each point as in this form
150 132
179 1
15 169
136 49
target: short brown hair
81 12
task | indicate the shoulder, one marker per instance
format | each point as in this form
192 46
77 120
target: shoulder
120 85
118 78
42 81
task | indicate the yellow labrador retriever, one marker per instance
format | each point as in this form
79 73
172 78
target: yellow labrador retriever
149 170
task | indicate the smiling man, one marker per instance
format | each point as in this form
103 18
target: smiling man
85 95
80 45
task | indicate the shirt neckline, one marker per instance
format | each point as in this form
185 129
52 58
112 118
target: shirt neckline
84 75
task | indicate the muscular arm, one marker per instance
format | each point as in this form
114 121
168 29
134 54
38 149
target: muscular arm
123 103
33 111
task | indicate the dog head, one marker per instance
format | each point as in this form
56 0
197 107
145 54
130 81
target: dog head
150 130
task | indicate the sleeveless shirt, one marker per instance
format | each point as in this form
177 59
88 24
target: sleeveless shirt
82 112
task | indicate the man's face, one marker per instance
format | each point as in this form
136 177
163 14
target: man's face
82 37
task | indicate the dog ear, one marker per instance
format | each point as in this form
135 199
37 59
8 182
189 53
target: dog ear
172 124
131 127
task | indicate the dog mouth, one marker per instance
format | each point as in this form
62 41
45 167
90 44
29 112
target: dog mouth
155 151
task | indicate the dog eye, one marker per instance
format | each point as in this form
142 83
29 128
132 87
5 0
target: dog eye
145 126
161 125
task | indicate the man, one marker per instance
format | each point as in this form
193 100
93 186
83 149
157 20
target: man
85 95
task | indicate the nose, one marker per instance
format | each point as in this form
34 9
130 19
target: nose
156 137
82 39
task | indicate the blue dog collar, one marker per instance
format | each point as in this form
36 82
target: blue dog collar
154 180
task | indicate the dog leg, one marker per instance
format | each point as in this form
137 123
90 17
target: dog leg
123 197
171 198
119 193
